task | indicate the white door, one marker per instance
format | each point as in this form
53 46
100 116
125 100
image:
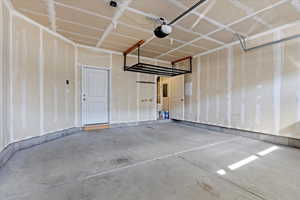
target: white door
94 96
147 103
177 97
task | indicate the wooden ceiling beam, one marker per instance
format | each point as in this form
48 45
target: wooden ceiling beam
181 59
137 45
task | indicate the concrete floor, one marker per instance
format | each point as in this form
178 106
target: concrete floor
155 162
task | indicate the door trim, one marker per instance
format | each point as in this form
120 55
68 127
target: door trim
108 69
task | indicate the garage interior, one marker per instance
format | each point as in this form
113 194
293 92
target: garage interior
140 99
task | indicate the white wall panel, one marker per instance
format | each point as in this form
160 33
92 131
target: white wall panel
25 69
59 62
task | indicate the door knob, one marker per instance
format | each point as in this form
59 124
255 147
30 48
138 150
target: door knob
83 99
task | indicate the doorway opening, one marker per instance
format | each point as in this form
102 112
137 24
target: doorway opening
163 98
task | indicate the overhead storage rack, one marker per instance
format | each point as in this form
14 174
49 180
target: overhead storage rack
142 67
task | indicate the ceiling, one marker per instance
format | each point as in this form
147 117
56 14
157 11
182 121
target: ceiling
212 25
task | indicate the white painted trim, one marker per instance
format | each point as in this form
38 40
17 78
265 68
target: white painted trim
41 77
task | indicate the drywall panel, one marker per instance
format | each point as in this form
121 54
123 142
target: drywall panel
6 134
182 35
222 83
283 14
78 28
180 54
1 79
80 17
138 20
124 107
204 98
204 27
207 44
100 7
192 49
156 48
39 6
224 36
114 46
25 80
197 24
93 58
249 27
59 58
167 42
169 58
123 40
77 37
290 93
132 32
191 93
258 5
159 8
233 13
39 18
257 71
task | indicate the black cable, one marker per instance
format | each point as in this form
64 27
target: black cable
186 12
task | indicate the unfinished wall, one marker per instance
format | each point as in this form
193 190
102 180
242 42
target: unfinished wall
58 96
1 79
127 97
35 65
256 91
4 75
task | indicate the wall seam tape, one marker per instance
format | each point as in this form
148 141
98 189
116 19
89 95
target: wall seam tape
218 87
199 88
229 86
243 107
1 79
41 77
207 88
278 59
77 89
11 126
258 89
110 86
